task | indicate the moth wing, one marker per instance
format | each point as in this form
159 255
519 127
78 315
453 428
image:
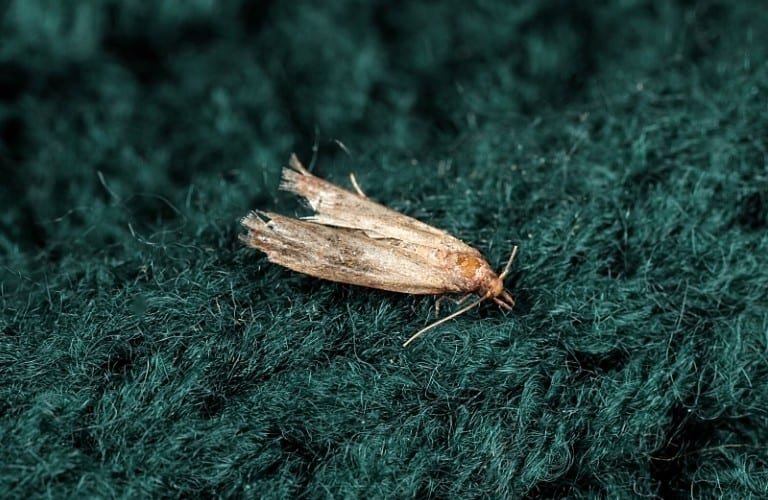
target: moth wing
338 207
350 256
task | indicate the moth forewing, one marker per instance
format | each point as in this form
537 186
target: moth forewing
348 256
354 240
334 206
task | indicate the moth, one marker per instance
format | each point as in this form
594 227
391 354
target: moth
351 239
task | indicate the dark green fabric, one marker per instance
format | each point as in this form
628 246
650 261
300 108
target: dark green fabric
622 144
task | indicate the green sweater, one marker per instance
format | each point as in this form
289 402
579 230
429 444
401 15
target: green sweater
145 352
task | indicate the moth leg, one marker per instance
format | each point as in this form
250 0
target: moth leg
356 185
439 301
441 298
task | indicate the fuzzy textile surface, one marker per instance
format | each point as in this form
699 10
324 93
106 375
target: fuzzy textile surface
623 145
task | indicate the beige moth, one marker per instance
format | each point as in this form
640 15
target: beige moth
351 239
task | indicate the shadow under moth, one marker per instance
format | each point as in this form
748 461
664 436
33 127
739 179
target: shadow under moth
351 239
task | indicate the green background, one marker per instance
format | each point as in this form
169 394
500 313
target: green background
622 144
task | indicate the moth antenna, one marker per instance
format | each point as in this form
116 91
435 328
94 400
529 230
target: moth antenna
505 272
356 185
441 321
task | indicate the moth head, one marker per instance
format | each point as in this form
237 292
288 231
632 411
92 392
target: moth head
496 290
493 286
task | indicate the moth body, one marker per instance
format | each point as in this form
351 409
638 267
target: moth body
351 239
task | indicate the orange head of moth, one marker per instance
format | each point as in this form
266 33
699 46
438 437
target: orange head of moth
488 284
492 287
